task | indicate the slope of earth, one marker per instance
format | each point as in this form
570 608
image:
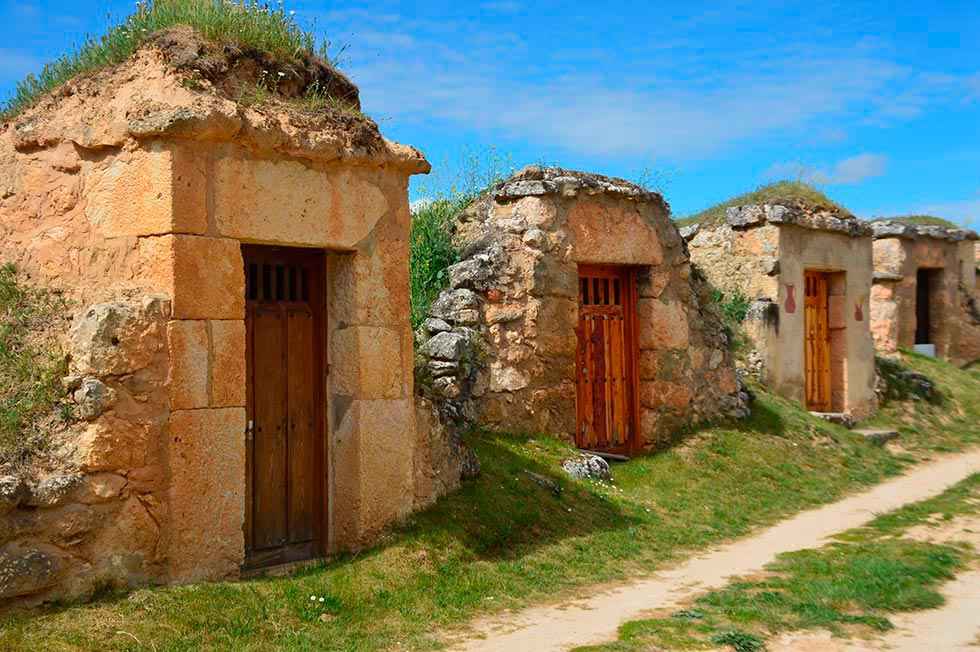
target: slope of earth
507 540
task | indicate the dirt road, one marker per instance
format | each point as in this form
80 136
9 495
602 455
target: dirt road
597 618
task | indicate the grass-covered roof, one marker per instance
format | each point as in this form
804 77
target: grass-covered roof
925 220
241 25
785 193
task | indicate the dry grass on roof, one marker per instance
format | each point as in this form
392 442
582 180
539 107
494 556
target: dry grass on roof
247 25
925 220
785 193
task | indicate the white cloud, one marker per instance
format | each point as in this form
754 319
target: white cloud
458 72
848 171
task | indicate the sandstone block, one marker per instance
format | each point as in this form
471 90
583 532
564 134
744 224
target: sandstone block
150 191
207 493
368 362
99 488
657 394
507 379
227 363
288 203
662 325
187 381
111 444
208 278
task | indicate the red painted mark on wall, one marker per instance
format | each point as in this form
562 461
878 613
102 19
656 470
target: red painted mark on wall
858 312
790 298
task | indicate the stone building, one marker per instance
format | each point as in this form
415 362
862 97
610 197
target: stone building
924 293
806 270
241 355
574 312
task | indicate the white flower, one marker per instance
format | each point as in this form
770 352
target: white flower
313 598
321 599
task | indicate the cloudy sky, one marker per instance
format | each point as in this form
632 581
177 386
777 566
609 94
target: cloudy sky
876 102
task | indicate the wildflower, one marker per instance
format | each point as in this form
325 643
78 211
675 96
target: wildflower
321 599
313 598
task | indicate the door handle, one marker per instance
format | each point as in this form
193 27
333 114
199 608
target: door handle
249 429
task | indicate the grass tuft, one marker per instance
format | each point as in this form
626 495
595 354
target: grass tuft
793 193
30 370
432 252
925 220
243 24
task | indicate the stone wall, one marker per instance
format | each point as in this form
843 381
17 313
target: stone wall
763 252
499 348
900 250
135 202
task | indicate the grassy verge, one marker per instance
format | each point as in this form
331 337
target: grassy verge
246 25
846 587
30 370
504 541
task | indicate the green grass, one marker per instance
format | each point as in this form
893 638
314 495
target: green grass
782 192
431 252
504 541
244 25
30 370
869 573
925 220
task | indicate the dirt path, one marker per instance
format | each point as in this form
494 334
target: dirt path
596 619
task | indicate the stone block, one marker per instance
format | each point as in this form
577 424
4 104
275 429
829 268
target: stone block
208 278
151 191
187 381
658 394
366 362
28 570
111 444
227 363
286 202
556 322
662 325
386 461
207 493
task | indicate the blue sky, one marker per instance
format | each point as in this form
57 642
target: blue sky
876 102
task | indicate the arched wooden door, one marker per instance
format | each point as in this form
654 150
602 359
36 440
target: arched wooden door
285 503
817 342
606 401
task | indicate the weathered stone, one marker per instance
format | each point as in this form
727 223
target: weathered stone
187 381
208 279
587 467
227 363
53 490
25 571
450 305
507 379
742 216
433 326
92 398
99 488
13 492
375 369
117 338
441 368
536 238
206 496
447 387
445 346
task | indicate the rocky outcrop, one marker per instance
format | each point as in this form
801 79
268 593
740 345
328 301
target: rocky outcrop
95 519
740 217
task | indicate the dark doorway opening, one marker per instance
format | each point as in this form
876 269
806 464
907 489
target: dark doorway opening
927 283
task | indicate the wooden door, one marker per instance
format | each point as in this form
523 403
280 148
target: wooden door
817 342
285 503
606 401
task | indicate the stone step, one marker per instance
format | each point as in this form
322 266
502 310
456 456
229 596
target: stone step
839 418
878 437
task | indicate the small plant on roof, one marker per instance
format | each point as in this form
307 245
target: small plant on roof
787 193
242 24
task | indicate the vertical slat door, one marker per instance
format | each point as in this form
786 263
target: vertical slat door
269 429
285 445
817 342
606 394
